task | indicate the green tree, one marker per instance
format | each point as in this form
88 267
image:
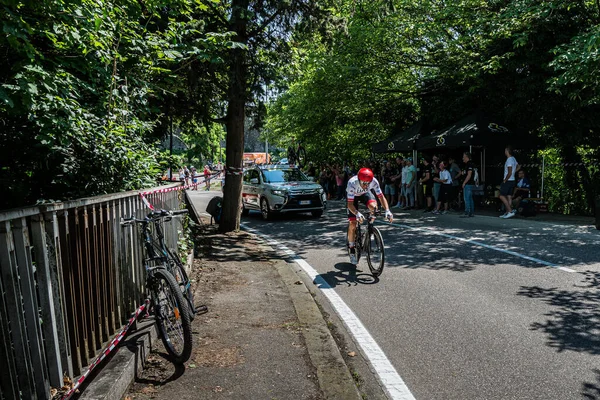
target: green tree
81 91
261 32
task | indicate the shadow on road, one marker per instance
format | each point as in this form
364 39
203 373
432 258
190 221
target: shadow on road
345 273
405 248
574 323
591 391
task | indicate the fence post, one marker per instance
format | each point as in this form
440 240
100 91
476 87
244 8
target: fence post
8 377
56 262
10 277
47 284
30 306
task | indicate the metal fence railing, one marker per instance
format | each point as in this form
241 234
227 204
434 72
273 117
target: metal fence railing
69 278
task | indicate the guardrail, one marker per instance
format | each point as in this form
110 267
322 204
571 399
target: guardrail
69 278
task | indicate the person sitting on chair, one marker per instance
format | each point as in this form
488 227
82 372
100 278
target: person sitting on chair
521 190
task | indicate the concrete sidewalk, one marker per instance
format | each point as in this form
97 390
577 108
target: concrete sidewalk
263 337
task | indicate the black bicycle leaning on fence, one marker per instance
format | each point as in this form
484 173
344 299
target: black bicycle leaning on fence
370 243
157 250
169 296
166 283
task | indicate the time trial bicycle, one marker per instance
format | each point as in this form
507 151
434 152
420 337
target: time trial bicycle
371 244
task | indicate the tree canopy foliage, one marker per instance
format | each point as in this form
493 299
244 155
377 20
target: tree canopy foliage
87 88
535 64
83 85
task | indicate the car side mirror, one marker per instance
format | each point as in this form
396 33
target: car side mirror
254 181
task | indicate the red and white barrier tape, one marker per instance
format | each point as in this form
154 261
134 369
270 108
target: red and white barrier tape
549 164
234 170
114 343
172 189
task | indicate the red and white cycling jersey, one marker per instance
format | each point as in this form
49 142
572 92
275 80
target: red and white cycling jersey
354 189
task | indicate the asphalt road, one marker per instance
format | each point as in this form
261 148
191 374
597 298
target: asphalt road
480 308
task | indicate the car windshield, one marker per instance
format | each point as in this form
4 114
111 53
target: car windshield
283 175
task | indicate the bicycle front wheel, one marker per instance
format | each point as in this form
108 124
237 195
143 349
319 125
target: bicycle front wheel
375 252
172 317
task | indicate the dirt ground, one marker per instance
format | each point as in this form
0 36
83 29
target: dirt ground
248 345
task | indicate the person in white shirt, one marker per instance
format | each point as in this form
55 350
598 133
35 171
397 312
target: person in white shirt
445 180
508 183
358 191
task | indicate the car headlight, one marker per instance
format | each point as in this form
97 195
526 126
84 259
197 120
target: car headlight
279 192
321 191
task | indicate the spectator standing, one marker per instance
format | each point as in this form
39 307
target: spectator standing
411 178
332 182
389 189
436 174
467 185
182 175
311 171
426 182
455 173
194 175
445 181
207 177
346 176
508 183
419 199
187 175
398 181
339 180
324 180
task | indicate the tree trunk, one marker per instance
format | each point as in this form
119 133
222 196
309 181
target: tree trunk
236 111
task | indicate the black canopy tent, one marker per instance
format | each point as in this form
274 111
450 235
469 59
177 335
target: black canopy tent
402 142
476 129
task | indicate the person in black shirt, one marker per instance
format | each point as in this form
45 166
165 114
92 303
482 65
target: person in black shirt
468 184
389 189
426 182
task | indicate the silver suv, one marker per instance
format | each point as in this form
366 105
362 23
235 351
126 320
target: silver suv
280 189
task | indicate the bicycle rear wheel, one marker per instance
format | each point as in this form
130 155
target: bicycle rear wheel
301 155
375 252
178 270
172 316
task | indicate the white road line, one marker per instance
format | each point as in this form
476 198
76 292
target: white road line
487 246
387 374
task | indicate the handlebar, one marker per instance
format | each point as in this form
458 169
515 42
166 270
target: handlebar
152 216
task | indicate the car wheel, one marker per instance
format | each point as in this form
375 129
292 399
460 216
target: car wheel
317 213
264 209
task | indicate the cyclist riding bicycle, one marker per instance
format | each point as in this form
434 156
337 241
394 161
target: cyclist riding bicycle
359 191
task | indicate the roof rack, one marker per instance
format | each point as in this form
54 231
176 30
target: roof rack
275 166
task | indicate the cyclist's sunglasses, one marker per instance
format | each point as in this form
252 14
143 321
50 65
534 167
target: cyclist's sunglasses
363 183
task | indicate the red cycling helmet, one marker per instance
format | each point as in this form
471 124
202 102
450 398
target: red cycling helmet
365 175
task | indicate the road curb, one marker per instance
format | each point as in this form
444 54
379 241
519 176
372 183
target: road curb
114 378
333 374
